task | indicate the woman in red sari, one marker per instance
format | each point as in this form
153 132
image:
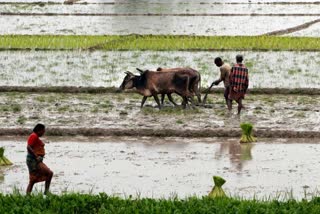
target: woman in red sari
38 171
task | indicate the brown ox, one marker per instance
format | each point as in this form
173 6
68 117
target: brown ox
194 82
151 83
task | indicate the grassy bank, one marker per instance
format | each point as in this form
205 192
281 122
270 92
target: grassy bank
76 203
153 42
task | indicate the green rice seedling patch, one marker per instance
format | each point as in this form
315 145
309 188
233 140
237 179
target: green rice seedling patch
158 42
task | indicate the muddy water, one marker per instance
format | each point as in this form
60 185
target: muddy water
174 1
153 167
120 25
137 24
106 68
162 8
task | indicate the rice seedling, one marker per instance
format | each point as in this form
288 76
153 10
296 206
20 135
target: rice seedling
246 136
16 108
3 160
158 42
179 122
21 120
217 190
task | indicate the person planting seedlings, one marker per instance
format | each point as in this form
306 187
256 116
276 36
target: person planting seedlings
217 190
3 160
247 136
38 171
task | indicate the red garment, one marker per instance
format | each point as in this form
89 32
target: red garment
239 82
36 144
42 173
239 78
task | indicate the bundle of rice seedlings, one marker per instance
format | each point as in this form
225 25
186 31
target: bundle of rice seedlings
217 190
3 160
247 136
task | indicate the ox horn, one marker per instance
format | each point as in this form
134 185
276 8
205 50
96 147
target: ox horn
141 71
128 72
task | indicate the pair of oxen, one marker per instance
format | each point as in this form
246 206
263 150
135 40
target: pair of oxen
185 82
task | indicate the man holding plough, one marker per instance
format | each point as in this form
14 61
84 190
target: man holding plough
225 70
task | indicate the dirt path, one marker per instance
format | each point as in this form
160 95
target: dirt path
293 29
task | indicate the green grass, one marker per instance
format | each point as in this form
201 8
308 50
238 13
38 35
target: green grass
102 203
158 42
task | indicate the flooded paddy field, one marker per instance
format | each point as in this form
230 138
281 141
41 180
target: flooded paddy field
164 167
282 69
155 17
122 111
315 2
280 167
173 25
187 8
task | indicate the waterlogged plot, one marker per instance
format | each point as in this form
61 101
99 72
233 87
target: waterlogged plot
122 112
161 8
172 1
172 166
120 25
106 68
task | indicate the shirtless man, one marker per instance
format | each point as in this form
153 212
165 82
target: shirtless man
225 70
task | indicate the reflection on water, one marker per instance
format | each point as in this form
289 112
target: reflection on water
136 7
1 176
237 153
160 167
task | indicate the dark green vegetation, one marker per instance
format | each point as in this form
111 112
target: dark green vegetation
247 136
3 160
217 190
76 203
160 42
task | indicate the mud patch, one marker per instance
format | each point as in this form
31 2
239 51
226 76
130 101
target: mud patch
117 113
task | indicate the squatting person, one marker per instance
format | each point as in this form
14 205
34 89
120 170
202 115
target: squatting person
225 70
38 171
239 82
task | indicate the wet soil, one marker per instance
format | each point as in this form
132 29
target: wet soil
234 2
122 111
161 8
165 167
